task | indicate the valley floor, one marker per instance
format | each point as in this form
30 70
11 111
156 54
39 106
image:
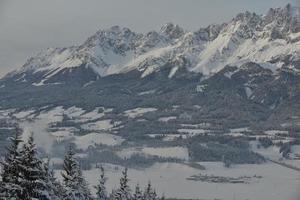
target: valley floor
272 182
162 159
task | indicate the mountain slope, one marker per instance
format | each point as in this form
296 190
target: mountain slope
243 72
272 40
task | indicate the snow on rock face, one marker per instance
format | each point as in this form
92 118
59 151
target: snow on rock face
49 59
172 31
247 37
287 18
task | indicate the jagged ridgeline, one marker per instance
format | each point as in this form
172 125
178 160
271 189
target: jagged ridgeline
242 71
166 103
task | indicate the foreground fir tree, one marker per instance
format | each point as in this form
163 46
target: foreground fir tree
74 183
10 186
83 185
33 179
101 189
54 188
138 194
123 193
113 194
149 193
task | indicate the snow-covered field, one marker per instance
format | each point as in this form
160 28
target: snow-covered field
99 125
138 112
166 119
277 183
92 139
171 152
271 152
40 123
39 126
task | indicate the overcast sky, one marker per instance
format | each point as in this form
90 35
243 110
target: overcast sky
28 26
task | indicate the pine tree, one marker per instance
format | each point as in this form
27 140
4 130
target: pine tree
60 191
112 195
83 186
32 174
138 195
123 193
150 193
10 186
54 188
101 189
74 183
154 195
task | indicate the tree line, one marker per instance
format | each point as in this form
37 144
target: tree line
25 176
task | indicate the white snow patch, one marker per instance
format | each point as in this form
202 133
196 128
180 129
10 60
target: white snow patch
95 114
23 114
137 112
62 135
88 83
93 139
239 130
167 152
172 72
201 125
147 92
166 119
73 112
228 74
201 88
248 92
271 152
276 132
99 125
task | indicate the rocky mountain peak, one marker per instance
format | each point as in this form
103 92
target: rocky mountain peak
247 17
245 24
211 32
287 19
116 37
172 31
292 11
268 40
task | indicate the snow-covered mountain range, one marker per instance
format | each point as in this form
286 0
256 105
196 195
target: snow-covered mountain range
172 102
271 40
240 72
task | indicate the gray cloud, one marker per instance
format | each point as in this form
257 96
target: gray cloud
27 27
